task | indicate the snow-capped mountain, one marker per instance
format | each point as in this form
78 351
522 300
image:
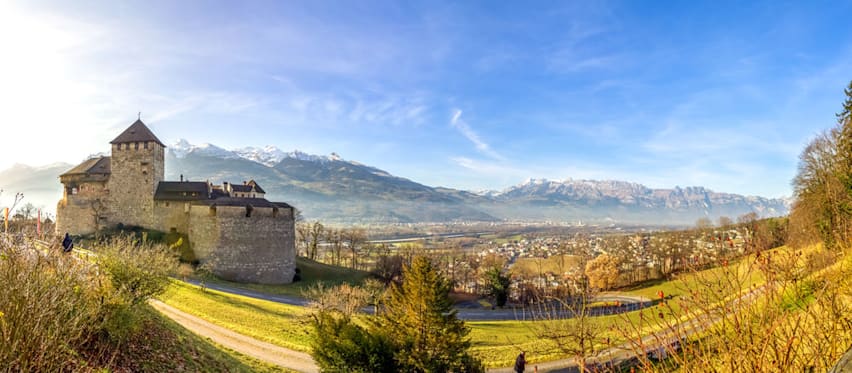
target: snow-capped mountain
269 155
337 190
182 148
627 195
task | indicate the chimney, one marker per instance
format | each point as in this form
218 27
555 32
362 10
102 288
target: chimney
181 178
245 182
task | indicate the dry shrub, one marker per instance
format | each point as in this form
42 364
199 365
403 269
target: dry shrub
62 313
49 306
798 320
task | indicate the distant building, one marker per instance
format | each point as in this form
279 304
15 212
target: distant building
232 228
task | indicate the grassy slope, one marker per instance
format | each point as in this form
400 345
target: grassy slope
165 346
312 272
272 322
496 342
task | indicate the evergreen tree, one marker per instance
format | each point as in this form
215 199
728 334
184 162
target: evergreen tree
498 285
845 115
339 345
843 169
419 318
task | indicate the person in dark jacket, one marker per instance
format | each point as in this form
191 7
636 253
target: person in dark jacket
67 244
520 363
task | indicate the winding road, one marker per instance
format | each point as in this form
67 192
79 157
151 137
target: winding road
629 303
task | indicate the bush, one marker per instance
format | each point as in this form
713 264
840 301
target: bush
179 244
137 271
58 311
49 306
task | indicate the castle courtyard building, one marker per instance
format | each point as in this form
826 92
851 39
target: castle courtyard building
233 229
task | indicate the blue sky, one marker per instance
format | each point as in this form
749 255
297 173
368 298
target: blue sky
477 95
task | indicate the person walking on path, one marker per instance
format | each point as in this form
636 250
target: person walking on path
520 362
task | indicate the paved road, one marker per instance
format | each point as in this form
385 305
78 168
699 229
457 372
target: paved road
629 303
260 350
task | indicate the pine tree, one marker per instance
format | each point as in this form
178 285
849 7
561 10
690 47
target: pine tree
844 165
844 116
420 319
497 285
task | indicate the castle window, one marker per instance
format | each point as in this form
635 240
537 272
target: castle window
146 144
135 146
274 212
213 210
73 190
167 204
249 208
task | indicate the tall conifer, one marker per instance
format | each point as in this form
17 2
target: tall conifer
420 319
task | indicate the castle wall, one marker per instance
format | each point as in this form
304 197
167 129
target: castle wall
171 214
259 248
136 169
84 199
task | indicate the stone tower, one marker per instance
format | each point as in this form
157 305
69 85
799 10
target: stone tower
137 167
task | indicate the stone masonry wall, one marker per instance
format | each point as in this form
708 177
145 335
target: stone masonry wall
76 213
259 248
136 171
171 214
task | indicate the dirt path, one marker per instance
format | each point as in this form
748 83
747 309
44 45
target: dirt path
260 350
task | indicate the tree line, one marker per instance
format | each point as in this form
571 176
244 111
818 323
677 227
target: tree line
822 211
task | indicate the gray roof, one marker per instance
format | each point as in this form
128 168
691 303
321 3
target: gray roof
97 165
232 201
247 187
241 188
256 186
137 132
181 191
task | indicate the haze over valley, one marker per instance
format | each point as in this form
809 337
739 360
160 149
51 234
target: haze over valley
331 188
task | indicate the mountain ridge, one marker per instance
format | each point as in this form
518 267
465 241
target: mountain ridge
334 189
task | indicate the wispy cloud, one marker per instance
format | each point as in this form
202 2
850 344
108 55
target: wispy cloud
488 168
466 131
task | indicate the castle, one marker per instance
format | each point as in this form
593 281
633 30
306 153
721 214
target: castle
232 228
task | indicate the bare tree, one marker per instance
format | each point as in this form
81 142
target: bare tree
303 237
334 237
602 272
316 233
354 239
26 212
98 210
568 323
703 224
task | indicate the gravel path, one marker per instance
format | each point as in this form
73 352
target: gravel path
260 350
